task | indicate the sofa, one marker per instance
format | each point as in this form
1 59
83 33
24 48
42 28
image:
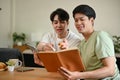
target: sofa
13 53
9 53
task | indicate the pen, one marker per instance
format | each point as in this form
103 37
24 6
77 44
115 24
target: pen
52 48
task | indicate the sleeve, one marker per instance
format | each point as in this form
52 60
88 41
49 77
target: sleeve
104 45
45 38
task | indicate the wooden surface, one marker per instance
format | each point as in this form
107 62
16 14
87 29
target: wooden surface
36 74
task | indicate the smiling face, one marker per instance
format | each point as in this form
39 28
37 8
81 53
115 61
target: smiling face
83 23
60 27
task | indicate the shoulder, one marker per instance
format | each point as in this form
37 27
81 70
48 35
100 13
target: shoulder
51 33
47 37
73 34
103 34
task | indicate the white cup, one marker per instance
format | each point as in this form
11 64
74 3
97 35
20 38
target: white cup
17 62
11 68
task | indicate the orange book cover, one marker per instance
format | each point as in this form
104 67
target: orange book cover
69 59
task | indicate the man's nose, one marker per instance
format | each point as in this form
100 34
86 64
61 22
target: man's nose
59 24
79 22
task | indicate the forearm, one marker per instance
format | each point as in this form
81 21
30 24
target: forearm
40 46
107 70
97 74
37 60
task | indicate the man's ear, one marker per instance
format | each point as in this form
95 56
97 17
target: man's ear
68 22
92 20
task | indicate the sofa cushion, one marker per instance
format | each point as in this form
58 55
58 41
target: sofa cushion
9 53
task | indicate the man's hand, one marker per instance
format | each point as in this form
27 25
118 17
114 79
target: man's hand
37 60
48 47
45 47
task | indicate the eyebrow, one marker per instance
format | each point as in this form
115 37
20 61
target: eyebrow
80 17
55 20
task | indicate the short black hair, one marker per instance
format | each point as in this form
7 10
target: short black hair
86 10
62 14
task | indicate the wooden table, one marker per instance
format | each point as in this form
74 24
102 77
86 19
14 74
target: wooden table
21 48
36 74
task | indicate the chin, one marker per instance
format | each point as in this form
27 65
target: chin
59 33
79 31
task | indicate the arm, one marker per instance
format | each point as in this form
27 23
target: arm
37 60
45 47
106 71
42 47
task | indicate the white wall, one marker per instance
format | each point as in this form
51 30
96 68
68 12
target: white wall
32 16
5 23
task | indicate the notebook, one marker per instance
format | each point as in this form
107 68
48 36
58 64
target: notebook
69 59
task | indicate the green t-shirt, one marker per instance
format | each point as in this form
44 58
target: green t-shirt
98 46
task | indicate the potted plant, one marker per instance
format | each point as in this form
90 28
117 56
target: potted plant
11 65
19 39
116 40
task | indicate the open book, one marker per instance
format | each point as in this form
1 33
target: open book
70 59
33 48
